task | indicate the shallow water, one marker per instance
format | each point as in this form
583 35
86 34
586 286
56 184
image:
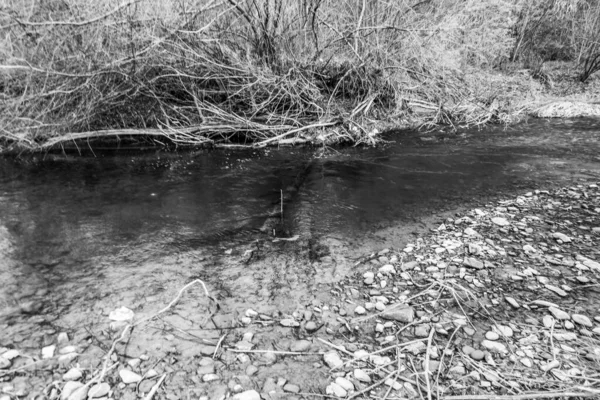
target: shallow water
81 235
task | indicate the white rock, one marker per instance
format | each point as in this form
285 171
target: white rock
582 320
504 330
559 314
362 376
361 354
4 363
99 390
69 388
48 352
360 310
495 347
562 237
333 359
289 322
247 395
551 365
344 383
210 378
336 390
500 221
250 313
128 376
543 303
121 314
79 394
526 362
512 302
548 321
565 336
74 374
10 354
556 290
387 269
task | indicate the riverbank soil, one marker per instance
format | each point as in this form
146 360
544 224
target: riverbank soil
498 300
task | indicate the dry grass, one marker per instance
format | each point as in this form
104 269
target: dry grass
246 71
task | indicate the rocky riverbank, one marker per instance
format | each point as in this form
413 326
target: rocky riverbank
499 301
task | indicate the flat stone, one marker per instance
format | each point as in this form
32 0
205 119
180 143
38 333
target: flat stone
544 303
556 290
504 330
48 352
128 376
310 326
512 302
211 378
291 388
121 314
526 362
548 321
582 320
336 390
387 269
99 390
360 310
551 365
79 394
69 388
565 336
300 346
559 314
495 347
473 263
403 314
289 322
344 383
247 395
500 221
74 374
362 376
492 335
562 237
477 355
333 359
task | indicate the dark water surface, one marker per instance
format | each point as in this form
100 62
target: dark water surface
90 226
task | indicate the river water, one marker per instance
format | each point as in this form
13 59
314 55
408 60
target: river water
83 234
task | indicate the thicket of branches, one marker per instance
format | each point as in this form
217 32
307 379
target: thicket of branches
265 71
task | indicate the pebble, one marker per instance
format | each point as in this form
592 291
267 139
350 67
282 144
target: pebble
289 322
310 326
526 362
562 237
477 355
69 388
4 363
492 335
472 263
387 269
403 314
551 365
333 359
559 314
336 390
300 346
128 376
512 302
48 352
495 347
582 320
291 388
362 376
548 321
99 390
360 310
247 395
544 303
556 290
344 383
121 314
74 374
210 378
504 330
500 221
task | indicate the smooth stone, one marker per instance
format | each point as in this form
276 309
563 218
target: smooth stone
495 347
403 314
121 314
362 376
291 388
526 362
562 237
289 322
544 303
300 346
333 359
492 335
69 388
74 374
310 326
99 390
473 263
559 314
247 395
344 383
128 376
210 378
48 352
4 363
477 355
467 350
548 321
79 394
336 390
582 320
512 302
387 269
556 290
504 330
360 310
500 221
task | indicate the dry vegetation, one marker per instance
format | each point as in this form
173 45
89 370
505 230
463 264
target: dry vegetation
275 71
